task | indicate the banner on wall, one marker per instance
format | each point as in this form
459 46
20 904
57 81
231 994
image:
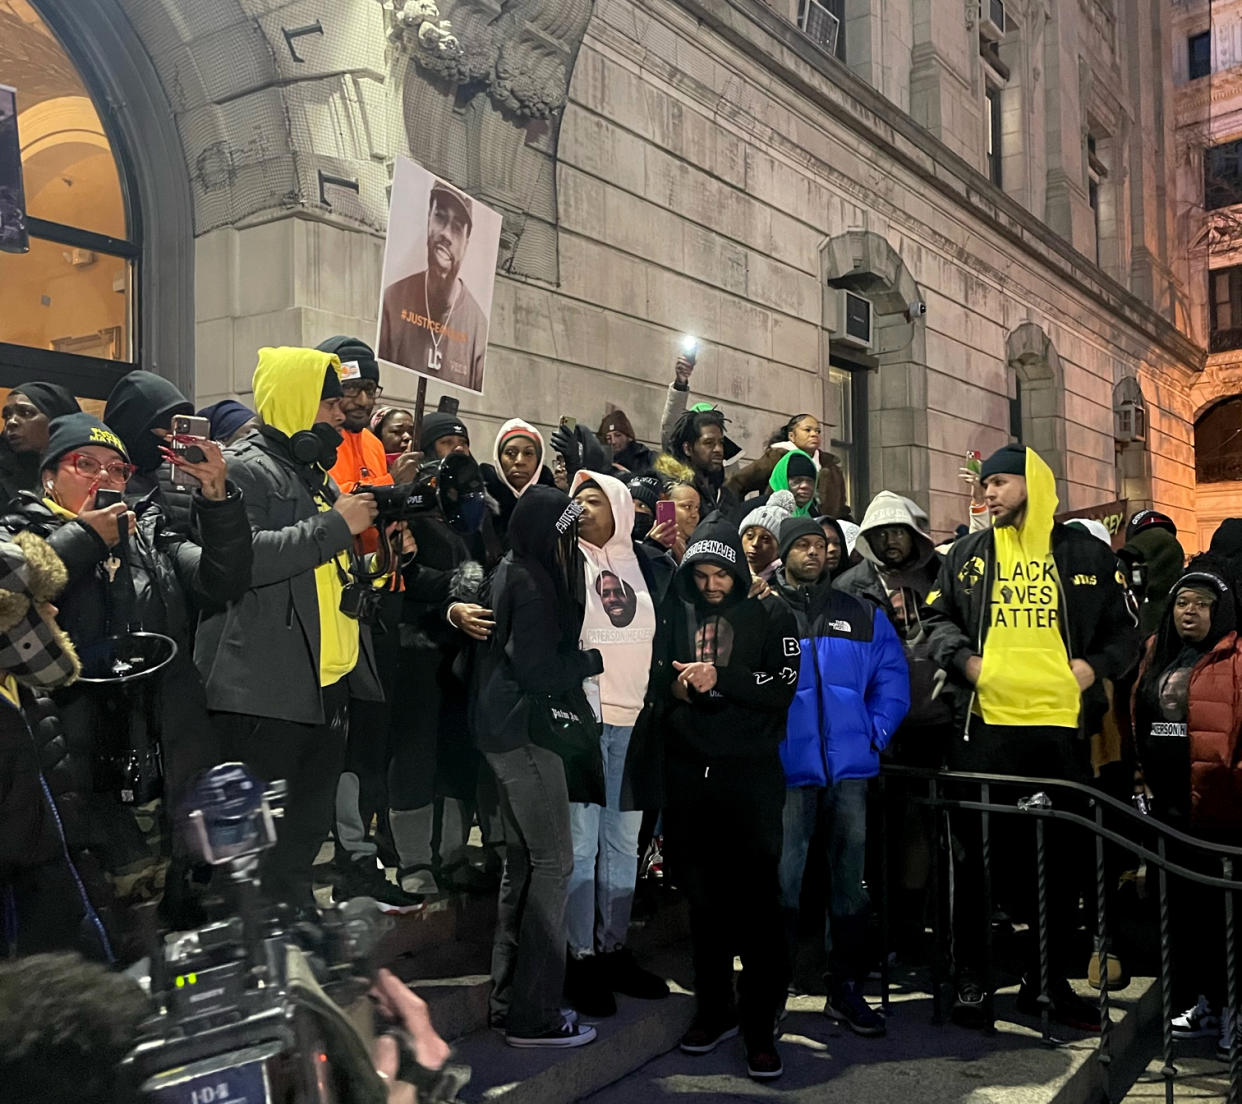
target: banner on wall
438 279
13 236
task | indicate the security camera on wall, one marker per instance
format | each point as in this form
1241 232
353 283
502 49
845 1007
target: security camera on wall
916 310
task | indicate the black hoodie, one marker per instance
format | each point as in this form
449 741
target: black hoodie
534 649
756 652
140 402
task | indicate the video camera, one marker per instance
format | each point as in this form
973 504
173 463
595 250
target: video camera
453 485
249 1008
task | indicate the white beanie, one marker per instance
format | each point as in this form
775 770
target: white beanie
770 515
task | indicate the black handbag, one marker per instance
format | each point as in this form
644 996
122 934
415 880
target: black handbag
564 723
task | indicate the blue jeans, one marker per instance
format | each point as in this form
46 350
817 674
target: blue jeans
601 888
842 808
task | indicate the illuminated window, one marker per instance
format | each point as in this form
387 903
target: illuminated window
69 301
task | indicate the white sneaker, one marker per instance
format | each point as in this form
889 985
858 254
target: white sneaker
1196 1023
1228 1032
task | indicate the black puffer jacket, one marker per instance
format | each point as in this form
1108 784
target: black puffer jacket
173 581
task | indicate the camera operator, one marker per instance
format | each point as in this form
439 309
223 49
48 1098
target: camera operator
159 581
282 664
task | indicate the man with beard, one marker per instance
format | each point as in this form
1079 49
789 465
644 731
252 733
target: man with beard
699 441
719 697
851 696
1030 617
431 323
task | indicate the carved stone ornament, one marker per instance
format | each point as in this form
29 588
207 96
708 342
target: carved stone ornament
526 78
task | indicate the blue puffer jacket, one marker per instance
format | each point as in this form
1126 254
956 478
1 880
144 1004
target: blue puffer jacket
853 687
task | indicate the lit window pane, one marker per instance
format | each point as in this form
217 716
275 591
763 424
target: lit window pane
70 300
70 172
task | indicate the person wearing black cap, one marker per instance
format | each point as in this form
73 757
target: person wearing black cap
443 433
854 673
629 455
28 410
723 672
1153 556
161 583
430 322
281 665
1030 617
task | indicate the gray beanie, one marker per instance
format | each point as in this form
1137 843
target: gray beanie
769 516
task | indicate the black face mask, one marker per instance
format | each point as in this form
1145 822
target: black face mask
642 525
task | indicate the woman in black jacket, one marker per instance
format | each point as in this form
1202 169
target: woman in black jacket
534 651
167 581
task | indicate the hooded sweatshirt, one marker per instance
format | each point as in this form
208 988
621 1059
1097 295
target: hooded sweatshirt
779 480
140 402
918 573
1026 677
288 383
622 635
494 478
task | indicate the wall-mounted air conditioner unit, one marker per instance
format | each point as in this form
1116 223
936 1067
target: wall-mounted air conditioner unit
854 320
819 24
992 20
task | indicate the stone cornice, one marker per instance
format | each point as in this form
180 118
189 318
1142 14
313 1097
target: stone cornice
754 29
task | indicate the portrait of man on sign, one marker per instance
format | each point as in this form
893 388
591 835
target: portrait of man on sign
431 322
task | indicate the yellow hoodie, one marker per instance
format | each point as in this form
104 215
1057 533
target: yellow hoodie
287 385
1026 677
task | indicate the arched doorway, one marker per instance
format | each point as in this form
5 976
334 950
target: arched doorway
107 282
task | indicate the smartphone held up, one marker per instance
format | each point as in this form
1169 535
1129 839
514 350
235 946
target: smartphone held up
189 433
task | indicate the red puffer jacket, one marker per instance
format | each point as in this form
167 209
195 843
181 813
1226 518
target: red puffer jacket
1214 721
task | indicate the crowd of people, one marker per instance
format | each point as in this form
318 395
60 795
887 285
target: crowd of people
587 649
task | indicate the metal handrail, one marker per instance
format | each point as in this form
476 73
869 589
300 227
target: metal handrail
1132 836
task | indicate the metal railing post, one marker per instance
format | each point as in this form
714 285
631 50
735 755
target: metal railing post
1168 1071
1104 1050
1229 1019
989 965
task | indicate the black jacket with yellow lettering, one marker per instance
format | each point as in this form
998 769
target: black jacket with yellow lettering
1095 619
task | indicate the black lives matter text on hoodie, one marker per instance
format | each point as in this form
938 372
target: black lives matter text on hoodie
754 645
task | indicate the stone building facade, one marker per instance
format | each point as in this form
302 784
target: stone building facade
996 187
1207 77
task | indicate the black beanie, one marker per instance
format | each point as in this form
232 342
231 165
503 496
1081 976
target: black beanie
800 466
1146 519
646 489
351 351
331 385
50 399
795 527
74 431
438 424
1010 460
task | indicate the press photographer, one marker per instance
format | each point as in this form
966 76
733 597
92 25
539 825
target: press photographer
282 664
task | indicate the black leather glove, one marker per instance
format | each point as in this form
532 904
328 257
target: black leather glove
595 663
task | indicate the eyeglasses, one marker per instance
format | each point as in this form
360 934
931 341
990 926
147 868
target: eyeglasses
369 387
87 466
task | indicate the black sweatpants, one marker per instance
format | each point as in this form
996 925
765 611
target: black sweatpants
309 758
1038 751
722 832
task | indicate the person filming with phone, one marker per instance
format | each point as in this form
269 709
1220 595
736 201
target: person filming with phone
133 584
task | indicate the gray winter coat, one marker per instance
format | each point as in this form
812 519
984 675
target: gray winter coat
260 656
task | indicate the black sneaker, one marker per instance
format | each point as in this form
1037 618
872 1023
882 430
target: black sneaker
846 1005
569 1034
1066 1006
763 1062
623 975
969 1001
705 1033
587 988
364 880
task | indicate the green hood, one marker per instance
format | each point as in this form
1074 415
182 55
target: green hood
780 480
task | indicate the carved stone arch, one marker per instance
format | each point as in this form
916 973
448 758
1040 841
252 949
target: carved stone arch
1040 386
896 431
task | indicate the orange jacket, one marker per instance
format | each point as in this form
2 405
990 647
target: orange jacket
361 459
